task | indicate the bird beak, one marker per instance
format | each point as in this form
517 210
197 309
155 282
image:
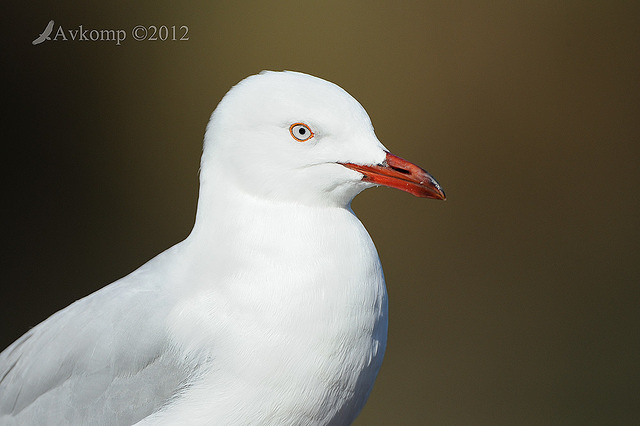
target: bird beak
400 174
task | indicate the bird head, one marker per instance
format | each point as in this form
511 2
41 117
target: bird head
292 137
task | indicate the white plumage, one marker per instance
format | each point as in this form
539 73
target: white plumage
273 311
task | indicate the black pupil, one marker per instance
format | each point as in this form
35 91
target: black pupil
302 130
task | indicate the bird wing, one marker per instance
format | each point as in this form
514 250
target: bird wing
39 39
48 29
98 361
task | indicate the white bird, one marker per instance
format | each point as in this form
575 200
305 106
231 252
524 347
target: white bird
273 311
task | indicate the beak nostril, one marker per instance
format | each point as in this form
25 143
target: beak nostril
399 170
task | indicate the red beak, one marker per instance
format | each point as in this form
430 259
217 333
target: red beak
401 174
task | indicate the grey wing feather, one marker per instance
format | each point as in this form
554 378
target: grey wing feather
98 361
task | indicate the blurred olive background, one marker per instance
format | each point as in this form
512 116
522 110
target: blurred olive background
514 302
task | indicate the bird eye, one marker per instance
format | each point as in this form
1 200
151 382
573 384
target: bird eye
300 132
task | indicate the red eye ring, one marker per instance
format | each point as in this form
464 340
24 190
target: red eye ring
300 132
